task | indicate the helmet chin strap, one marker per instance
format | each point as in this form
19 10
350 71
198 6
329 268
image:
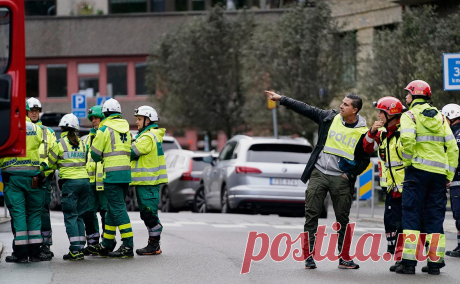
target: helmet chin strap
388 119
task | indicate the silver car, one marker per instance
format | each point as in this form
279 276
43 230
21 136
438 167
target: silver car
184 175
257 174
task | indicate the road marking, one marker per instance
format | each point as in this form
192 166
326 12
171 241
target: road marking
228 226
171 224
256 225
288 226
191 223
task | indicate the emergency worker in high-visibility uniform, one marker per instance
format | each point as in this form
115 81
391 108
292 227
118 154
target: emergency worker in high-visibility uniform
430 158
24 197
452 113
112 146
98 200
384 136
49 139
336 161
69 156
148 172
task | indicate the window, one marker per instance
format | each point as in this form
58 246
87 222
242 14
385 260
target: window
198 5
279 153
169 159
32 81
57 80
40 7
88 77
117 78
181 5
180 162
349 48
141 89
127 6
4 39
227 152
158 5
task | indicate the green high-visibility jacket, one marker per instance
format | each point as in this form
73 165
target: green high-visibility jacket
95 170
148 166
48 142
30 164
112 146
68 159
428 142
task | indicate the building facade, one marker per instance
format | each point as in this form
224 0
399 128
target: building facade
100 47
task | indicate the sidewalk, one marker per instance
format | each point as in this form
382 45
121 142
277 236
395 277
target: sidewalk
365 215
3 220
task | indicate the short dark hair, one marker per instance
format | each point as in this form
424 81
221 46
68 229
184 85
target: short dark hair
357 101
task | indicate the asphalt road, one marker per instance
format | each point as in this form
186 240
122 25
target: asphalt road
209 248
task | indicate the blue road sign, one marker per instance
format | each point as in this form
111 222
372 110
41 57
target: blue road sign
451 65
79 105
101 100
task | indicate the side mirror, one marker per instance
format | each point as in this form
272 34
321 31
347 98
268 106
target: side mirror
209 160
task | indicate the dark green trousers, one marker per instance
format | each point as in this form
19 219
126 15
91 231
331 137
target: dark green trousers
117 215
25 205
90 217
148 197
47 232
318 187
75 193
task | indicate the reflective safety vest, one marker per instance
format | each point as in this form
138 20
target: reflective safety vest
341 140
390 153
49 139
70 160
30 164
112 146
382 174
428 142
95 170
148 166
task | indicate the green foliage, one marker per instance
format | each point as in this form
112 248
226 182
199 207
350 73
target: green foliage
198 70
413 51
303 56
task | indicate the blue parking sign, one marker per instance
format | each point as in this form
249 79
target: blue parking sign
79 105
451 65
101 100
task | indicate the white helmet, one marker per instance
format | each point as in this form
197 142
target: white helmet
70 120
34 103
111 105
148 112
451 111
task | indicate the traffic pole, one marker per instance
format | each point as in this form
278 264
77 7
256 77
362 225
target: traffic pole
275 124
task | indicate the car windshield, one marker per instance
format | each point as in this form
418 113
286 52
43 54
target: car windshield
169 145
199 164
279 153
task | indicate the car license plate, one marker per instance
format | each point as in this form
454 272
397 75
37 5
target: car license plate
283 181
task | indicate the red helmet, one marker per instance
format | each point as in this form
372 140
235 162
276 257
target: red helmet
390 105
419 88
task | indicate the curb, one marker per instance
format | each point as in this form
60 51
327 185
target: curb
4 220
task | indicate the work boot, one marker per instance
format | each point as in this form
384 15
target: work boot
46 249
152 248
396 265
11 258
98 249
41 257
310 263
114 244
405 269
426 268
454 253
347 264
122 252
76 255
